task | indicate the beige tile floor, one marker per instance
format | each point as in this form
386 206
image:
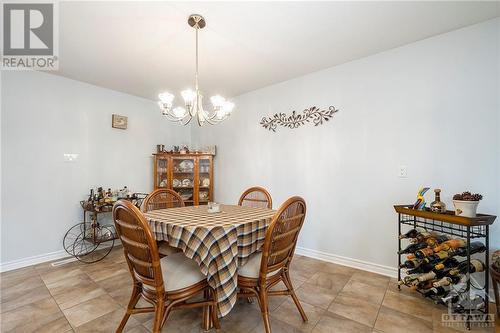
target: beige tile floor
81 298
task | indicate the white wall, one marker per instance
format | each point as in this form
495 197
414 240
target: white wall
45 116
432 105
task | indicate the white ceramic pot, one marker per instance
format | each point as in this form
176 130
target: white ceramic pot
465 208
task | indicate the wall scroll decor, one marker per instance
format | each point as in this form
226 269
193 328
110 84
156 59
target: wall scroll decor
313 114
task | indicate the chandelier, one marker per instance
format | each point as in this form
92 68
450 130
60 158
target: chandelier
193 100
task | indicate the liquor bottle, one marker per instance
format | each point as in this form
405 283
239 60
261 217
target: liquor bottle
437 205
474 266
413 248
451 244
91 196
475 247
425 252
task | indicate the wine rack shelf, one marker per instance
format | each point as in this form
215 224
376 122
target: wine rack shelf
450 224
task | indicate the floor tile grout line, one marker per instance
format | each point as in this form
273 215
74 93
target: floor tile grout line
380 307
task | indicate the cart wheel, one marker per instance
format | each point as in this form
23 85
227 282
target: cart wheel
85 249
73 233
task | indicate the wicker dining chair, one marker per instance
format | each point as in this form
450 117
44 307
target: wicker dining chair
267 268
256 197
162 199
167 283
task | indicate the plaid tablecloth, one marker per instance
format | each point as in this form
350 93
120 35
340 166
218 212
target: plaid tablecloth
218 242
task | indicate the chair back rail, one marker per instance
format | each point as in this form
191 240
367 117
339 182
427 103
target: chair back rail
139 245
281 236
256 197
162 198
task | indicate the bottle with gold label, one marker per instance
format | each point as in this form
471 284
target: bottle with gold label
474 266
451 244
437 205
425 252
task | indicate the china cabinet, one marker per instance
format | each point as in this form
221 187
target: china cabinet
191 175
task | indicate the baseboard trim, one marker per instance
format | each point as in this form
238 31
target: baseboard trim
34 260
350 262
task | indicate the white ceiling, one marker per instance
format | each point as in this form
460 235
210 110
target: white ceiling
143 48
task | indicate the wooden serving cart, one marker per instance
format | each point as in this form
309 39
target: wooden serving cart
90 241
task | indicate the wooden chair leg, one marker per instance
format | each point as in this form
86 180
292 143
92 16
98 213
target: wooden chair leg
215 317
205 323
264 308
159 309
288 283
134 298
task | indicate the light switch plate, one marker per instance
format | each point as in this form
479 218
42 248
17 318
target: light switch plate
403 171
70 157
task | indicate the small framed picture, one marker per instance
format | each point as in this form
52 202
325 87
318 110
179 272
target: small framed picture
119 121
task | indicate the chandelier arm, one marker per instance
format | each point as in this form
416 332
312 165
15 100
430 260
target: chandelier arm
172 117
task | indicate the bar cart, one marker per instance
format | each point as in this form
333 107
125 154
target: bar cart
467 228
90 241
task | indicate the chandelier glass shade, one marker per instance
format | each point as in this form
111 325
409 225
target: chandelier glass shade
193 100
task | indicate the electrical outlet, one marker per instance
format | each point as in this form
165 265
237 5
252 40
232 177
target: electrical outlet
403 171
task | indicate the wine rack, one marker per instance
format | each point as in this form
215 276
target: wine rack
456 226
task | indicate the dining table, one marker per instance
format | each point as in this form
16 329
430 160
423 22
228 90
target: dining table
218 242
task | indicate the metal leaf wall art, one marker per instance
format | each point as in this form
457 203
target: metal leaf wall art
313 114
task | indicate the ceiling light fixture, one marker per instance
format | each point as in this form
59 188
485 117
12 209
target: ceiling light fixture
193 100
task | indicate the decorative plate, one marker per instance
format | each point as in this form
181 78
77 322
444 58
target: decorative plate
186 166
177 183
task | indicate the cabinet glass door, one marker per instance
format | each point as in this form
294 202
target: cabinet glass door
183 178
204 193
161 172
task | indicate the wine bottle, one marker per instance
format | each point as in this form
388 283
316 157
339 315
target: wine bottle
425 252
408 279
422 285
412 233
451 244
413 248
447 280
450 262
437 257
474 266
435 241
475 247
421 237
463 305
411 264
437 291
422 268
